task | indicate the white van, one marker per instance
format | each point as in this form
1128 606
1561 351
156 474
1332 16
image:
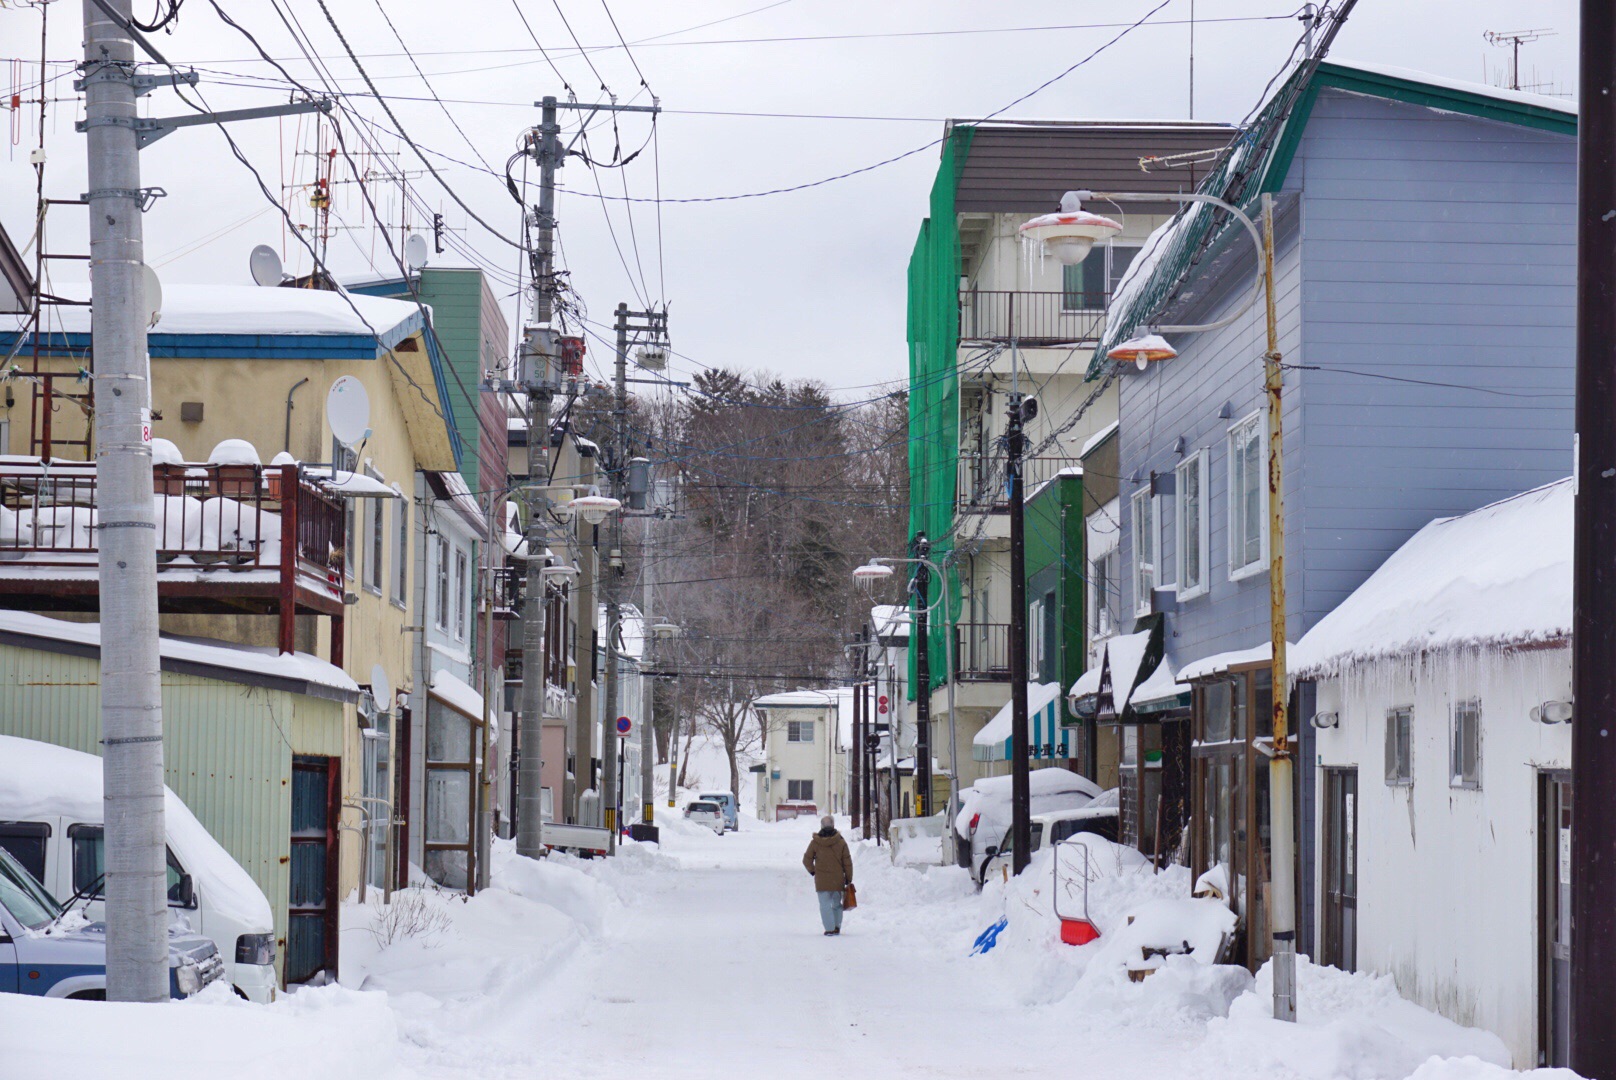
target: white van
50 821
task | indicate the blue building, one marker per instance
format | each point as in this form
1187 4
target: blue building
1425 266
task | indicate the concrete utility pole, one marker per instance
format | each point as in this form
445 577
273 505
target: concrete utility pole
131 689
537 372
647 694
1593 630
614 571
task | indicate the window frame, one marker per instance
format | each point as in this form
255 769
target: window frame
1400 742
1144 570
795 727
797 785
345 459
440 616
1458 776
1110 276
401 565
1197 463
375 569
462 591
1237 437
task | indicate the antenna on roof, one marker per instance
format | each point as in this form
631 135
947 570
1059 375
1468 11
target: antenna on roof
1513 40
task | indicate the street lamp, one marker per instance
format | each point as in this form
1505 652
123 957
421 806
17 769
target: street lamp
1142 350
879 569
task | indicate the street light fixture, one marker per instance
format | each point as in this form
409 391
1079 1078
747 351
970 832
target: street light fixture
594 508
1282 914
1142 350
1069 234
879 569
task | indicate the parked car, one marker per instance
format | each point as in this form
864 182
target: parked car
985 812
1098 817
50 821
729 804
707 813
43 953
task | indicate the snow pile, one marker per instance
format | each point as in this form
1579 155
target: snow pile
1352 1026
247 309
325 1031
1500 575
234 452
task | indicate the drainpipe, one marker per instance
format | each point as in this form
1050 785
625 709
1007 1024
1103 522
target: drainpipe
288 440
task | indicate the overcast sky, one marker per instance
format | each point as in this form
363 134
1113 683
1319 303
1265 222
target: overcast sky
808 283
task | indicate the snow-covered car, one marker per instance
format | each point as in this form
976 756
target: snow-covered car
709 814
1099 817
44 952
50 820
984 816
729 804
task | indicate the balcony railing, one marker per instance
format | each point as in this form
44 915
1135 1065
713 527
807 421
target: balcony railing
1031 318
981 480
982 652
230 538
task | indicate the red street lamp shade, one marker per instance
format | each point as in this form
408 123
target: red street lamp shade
1070 232
1142 350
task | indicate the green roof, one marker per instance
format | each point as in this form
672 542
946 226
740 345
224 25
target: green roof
1259 159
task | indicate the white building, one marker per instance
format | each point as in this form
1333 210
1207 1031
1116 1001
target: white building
1444 744
801 759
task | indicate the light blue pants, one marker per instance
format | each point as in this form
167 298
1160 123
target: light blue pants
830 909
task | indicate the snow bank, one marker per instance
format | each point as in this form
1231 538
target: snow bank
1349 1026
317 1032
990 797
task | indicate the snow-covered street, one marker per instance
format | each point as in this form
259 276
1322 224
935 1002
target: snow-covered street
703 956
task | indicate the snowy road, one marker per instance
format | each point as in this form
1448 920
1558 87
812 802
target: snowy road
716 963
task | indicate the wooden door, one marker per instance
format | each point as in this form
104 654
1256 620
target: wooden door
311 931
1554 920
1339 947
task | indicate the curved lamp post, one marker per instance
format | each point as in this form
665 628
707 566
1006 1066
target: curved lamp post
1145 349
879 569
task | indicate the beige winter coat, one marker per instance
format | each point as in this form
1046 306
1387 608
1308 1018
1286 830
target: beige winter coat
829 860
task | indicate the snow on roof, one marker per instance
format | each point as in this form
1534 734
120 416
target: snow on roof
1087 684
1218 663
890 620
228 656
997 730
245 309
1500 93
457 693
1162 685
352 483
1125 653
1497 576
40 779
1098 437
797 699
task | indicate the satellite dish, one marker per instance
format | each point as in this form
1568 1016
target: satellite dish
153 295
415 251
380 689
347 410
265 266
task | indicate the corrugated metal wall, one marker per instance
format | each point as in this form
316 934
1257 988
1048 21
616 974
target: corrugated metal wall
227 748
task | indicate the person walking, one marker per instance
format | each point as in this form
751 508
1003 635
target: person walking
830 863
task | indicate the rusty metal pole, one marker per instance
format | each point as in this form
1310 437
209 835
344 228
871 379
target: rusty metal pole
1281 826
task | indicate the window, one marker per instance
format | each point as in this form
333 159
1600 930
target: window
1105 594
1035 640
442 606
377 784
401 555
345 460
799 731
1144 551
1088 285
1400 746
462 591
800 790
1466 745
26 841
89 863
1248 498
1190 526
376 556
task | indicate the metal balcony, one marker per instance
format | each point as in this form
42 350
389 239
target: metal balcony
982 652
981 480
1031 318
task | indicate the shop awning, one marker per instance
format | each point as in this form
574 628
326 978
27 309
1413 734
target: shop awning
1160 692
1133 681
1046 738
1081 698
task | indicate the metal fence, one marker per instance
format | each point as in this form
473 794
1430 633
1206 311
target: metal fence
982 652
981 480
1031 318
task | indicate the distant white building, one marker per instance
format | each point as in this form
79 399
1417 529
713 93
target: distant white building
1443 747
801 773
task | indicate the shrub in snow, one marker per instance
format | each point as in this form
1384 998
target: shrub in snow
412 914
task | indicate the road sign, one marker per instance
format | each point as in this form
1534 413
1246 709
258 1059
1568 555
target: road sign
881 704
882 699
624 726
